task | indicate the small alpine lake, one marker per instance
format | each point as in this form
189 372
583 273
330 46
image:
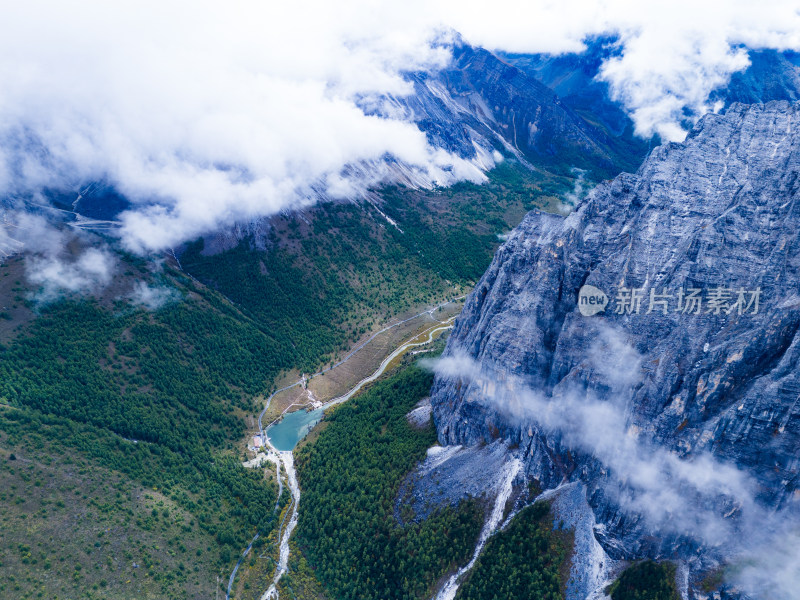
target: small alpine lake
293 427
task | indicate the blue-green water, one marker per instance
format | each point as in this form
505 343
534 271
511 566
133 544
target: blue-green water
293 428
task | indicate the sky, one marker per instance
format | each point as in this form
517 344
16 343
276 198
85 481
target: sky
205 114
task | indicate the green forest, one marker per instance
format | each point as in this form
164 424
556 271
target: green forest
325 276
350 476
154 396
528 560
646 580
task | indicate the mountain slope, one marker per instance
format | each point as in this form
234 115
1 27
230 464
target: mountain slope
574 77
325 276
719 211
97 392
481 98
772 75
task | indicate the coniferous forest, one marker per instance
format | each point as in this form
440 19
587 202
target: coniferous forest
350 476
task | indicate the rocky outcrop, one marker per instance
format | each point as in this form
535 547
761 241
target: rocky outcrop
772 75
719 214
481 100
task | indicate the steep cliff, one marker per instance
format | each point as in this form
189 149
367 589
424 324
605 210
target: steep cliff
706 390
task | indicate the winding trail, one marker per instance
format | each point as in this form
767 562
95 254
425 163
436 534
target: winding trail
386 361
287 458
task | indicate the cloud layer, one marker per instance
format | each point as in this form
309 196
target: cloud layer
152 297
56 260
207 113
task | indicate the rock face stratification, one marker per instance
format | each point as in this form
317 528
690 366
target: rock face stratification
714 218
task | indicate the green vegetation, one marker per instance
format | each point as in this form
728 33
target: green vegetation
333 272
454 231
172 379
528 560
153 399
300 582
713 580
647 580
71 529
350 477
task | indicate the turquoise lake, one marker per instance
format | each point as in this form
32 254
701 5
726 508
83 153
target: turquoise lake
293 428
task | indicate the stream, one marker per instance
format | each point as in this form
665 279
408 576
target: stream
507 475
283 557
281 437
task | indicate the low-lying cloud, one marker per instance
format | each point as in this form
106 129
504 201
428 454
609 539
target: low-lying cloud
90 271
697 497
152 297
208 113
56 260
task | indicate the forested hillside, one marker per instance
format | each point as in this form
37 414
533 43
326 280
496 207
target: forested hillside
527 560
328 274
155 397
646 580
350 476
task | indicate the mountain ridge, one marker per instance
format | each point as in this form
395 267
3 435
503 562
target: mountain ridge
717 210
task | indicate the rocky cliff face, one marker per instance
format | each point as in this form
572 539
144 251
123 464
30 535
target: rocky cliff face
772 75
714 218
480 102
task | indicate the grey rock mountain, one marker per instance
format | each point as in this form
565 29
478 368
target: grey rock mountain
772 75
718 213
480 100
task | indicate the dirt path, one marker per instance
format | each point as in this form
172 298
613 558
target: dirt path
387 361
287 458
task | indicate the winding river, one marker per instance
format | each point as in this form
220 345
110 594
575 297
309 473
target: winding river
282 435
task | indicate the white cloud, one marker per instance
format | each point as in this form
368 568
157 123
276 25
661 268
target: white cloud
88 272
214 112
152 297
205 113
674 52
56 260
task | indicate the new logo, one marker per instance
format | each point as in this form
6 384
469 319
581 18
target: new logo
591 300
